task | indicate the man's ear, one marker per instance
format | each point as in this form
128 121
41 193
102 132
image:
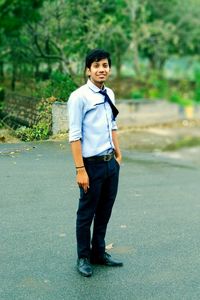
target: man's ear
88 73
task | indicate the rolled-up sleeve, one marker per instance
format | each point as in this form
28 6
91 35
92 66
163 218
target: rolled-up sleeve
114 125
75 114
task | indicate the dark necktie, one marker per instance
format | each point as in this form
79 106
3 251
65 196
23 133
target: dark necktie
113 107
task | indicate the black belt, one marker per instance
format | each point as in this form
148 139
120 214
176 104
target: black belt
106 157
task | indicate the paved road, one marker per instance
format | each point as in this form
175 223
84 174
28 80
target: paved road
154 227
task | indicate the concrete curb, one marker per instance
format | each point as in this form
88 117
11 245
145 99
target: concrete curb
132 113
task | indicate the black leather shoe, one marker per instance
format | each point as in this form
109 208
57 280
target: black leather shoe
84 267
106 260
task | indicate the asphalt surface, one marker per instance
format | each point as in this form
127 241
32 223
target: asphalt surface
154 227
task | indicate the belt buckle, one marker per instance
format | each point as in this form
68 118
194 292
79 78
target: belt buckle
107 157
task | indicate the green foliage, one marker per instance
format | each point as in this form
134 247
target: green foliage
39 131
155 87
157 39
180 99
183 142
2 93
59 86
163 28
42 129
38 36
152 86
158 86
13 14
197 86
137 94
185 16
108 26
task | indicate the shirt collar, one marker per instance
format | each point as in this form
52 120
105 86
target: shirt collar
93 87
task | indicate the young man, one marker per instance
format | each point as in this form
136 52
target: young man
97 157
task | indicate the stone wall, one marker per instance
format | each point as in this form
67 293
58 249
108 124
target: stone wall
59 117
21 108
133 113
146 112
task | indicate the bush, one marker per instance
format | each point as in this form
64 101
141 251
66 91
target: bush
42 129
138 94
1 125
59 86
177 98
152 87
39 131
197 86
2 93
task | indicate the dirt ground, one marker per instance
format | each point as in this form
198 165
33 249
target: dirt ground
169 136
7 136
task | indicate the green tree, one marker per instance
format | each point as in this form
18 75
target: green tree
14 15
186 17
102 23
161 28
153 35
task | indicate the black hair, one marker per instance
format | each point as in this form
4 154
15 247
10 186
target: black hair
97 55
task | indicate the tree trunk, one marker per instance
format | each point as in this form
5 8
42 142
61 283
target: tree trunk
118 73
136 58
14 73
118 65
1 70
37 70
49 68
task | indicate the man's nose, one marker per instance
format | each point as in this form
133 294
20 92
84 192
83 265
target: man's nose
101 69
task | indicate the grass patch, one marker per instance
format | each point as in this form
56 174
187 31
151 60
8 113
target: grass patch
183 143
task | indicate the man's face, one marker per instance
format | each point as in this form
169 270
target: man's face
99 72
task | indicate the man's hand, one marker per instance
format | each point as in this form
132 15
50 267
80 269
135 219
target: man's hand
118 155
82 179
118 159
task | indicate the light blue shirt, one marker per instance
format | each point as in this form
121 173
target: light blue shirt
91 120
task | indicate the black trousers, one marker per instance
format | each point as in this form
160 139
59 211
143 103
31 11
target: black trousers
96 205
